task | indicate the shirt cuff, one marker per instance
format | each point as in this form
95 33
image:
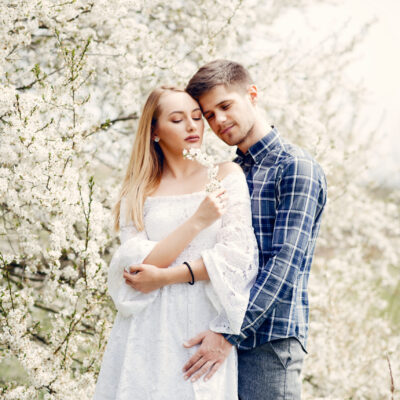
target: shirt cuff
233 339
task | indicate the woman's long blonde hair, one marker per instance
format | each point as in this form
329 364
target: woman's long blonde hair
145 166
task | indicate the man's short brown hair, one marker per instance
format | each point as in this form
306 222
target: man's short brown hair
218 72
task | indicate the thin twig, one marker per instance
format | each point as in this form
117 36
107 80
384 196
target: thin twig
12 51
7 274
392 388
83 12
45 308
25 87
109 122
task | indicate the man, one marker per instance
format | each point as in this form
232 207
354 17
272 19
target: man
288 194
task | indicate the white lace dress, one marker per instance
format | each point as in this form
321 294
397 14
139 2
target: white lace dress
144 356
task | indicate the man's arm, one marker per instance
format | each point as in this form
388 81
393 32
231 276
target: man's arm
299 190
299 193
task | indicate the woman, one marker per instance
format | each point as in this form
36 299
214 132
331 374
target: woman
166 219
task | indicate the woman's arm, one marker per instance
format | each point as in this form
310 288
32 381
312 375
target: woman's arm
151 279
205 216
168 249
146 277
136 248
232 263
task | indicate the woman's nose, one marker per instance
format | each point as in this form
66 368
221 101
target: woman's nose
191 126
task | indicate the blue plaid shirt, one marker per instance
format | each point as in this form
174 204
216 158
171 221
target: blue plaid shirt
288 193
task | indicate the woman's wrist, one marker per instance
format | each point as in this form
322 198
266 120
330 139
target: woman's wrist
177 274
197 223
166 277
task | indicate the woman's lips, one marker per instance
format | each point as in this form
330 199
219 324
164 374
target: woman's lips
193 138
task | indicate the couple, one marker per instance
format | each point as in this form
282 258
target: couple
211 287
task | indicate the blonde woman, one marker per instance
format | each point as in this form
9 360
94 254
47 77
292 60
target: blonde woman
193 253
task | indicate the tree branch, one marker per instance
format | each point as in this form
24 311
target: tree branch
87 10
12 51
109 122
45 308
25 87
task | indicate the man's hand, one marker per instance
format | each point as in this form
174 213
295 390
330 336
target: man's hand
212 353
147 278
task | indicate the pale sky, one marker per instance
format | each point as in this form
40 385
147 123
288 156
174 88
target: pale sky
377 64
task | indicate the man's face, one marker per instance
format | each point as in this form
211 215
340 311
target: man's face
230 112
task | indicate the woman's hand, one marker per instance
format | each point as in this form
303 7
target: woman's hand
145 277
211 208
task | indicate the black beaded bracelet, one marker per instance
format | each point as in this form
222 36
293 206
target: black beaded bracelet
191 272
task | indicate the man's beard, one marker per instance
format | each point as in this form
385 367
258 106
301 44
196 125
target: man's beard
244 137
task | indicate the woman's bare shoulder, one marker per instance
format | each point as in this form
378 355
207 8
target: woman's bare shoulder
228 167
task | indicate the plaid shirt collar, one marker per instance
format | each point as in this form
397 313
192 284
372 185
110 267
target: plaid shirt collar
260 149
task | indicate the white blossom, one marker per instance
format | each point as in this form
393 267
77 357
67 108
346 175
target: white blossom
205 160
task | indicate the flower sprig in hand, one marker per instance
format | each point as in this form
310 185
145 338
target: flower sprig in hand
212 169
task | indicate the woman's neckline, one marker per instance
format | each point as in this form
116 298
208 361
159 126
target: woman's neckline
198 192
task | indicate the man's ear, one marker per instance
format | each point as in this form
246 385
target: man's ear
253 94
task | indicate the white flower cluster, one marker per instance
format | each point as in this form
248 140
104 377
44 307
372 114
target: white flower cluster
205 160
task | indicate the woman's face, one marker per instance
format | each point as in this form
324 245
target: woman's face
180 124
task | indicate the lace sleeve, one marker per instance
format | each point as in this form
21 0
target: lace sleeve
135 247
232 264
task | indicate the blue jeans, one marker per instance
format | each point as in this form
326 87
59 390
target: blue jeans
271 371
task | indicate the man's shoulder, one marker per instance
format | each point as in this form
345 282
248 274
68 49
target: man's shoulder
283 152
294 158
292 152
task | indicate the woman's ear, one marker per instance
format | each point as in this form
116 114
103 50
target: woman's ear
154 134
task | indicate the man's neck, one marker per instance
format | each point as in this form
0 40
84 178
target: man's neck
256 134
